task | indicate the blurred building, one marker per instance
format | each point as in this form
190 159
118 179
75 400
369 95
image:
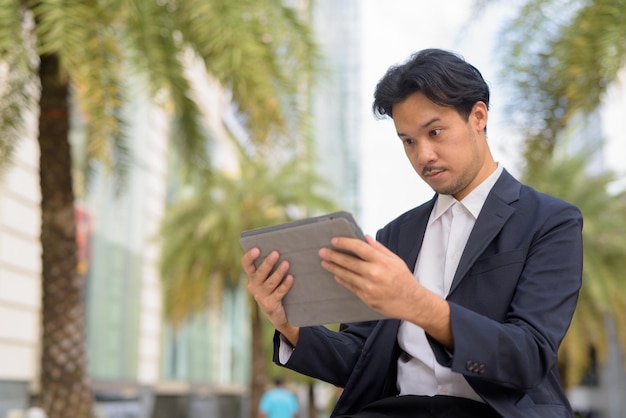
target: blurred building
20 277
337 98
138 362
139 365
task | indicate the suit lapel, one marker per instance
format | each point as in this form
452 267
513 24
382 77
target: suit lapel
412 234
494 214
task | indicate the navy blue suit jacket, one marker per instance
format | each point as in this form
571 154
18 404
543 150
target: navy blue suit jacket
511 302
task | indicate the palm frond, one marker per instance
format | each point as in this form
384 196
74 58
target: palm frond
157 51
60 25
97 71
17 76
260 50
560 56
590 52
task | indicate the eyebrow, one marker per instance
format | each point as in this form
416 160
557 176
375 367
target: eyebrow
430 122
423 126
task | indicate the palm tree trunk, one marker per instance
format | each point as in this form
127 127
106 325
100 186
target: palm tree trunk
259 368
65 390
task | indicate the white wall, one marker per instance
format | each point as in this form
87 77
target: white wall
152 152
614 127
20 265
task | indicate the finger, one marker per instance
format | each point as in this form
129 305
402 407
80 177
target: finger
347 284
247 261
360 248
344 271
265 289
265 268
349 244
271 299
368 250
377 245
284 286
340 259
275 279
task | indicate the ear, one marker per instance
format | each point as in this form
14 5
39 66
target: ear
479 116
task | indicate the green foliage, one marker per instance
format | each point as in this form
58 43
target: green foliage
200 233
560 56
17 77
259 50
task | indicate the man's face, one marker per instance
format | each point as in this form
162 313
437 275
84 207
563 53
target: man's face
450 154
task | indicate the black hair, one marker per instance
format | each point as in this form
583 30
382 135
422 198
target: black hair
444 77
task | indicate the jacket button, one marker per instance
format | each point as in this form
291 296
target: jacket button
475 367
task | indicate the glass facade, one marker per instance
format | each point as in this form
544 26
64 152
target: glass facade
113 294
129 342
211 348
112 253
336 98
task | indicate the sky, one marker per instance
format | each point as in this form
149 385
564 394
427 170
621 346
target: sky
391 31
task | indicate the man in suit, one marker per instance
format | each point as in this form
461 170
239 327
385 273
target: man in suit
481 282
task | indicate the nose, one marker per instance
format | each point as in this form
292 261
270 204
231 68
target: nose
425 153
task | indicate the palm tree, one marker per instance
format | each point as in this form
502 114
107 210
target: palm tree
201 253
560 57
79 52
603 293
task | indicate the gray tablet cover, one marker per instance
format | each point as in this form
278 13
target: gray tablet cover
315 297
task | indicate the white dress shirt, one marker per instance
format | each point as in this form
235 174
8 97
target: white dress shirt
447 232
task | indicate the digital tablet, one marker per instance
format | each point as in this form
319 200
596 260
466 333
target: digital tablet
315 297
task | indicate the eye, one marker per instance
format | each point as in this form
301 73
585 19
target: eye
434 132
408 141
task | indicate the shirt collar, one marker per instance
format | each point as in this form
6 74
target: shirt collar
443 203
473 202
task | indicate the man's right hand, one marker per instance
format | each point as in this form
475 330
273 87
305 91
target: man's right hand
269 290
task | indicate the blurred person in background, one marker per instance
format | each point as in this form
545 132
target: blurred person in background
278 402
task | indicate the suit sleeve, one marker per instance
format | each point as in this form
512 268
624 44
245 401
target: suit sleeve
508 326
325 354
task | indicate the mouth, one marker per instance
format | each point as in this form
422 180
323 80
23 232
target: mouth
432 173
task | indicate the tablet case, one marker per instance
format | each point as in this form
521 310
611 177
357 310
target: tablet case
315 297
